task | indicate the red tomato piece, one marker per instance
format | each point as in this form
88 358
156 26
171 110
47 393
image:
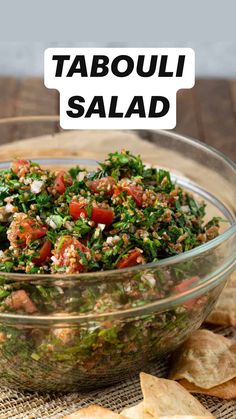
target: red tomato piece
20 167
99 215
104 185
130 259
136 191
76 209
65 241
67 255
184 286
62 180
44 253
24 229
102 215
137 194
30 230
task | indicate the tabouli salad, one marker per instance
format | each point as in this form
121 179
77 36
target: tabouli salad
122 215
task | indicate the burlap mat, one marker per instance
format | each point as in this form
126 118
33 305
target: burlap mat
20 405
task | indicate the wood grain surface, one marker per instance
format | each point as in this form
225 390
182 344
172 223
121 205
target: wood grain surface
206 112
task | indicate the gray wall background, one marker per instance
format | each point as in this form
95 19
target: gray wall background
213 59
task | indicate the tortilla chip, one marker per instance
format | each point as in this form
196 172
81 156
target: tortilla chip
223 391
224 312
137 412
205 359
164 397
94 412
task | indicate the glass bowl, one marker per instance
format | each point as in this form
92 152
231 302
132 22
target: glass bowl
94 329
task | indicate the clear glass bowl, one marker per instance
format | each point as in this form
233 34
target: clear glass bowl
94 329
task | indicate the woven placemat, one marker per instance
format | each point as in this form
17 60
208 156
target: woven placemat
26 405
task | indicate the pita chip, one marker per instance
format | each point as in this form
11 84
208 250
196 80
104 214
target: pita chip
224 312
94 412
137 412
232 280
225 391
205 359
164 397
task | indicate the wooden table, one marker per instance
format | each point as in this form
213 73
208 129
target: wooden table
206 112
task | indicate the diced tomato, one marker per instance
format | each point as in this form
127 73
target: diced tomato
98 215
76 209
20 300
137 194
129 260
184 286
44 253
102 215
62 180
66 253
104 185
30 230
136 191
20 167
24 229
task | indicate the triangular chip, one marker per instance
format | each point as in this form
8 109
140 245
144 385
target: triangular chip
205 359
137 412
223 391
164 397
224 312
94 412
